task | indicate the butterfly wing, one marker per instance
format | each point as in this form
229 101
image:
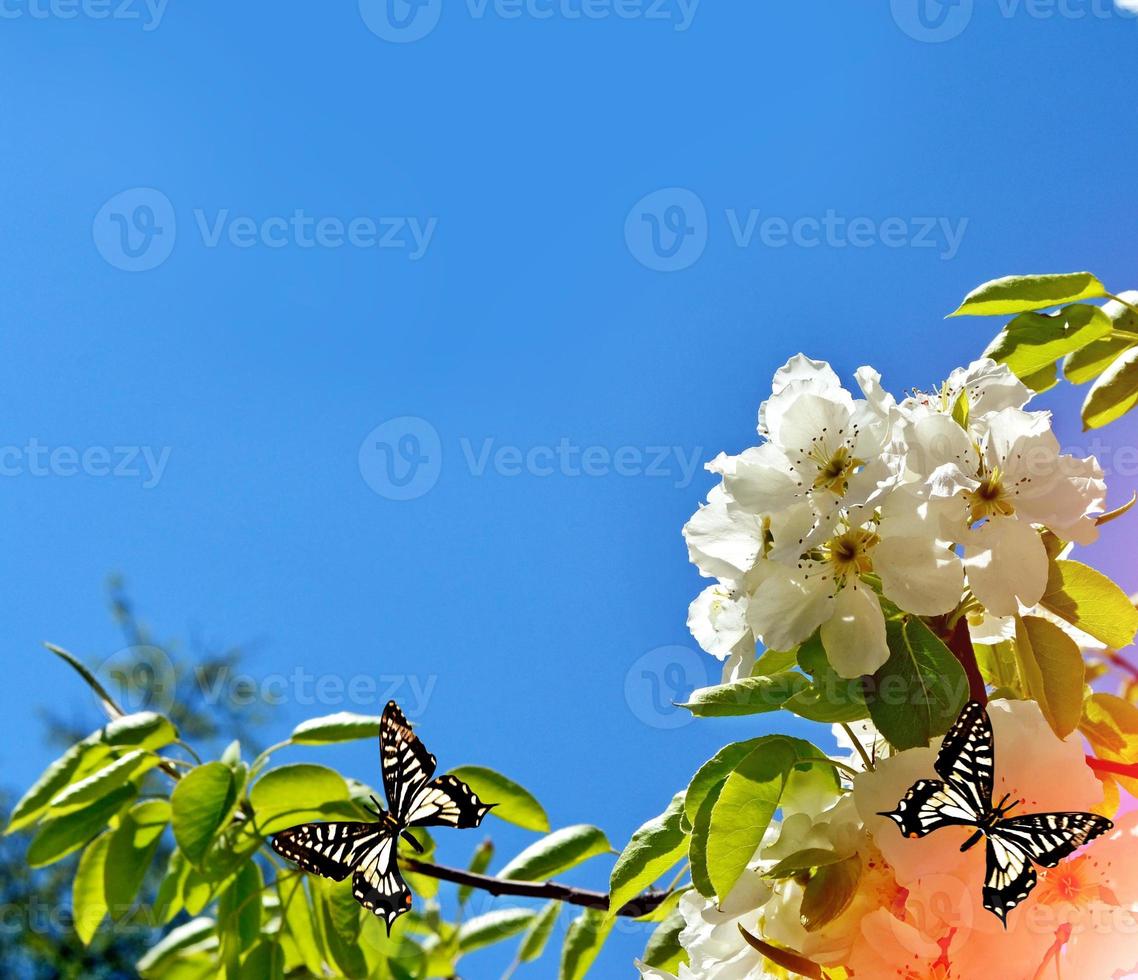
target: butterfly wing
446 802
1009 878
1048 838
930 805
407 765
967 758
377 884
330 850
1043 838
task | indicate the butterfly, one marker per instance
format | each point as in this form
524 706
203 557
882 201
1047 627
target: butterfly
368 851
966 764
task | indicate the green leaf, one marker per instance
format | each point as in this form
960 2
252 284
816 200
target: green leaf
340 925
961 410
698 842
1033 342
265 961
774 662
711 774
202 802
919 692
829 892
1089 600
297 924
664 951
68 832
1042 380
749 696
197 890
92 682
1114 393
144 730
479 862
35 801
168 902
155 961
1022 294
830 699
557 853
997 663
534 943
341 727
805 860
102 781
1052 666
343 908
293 794
88 895
239 908
493 927
1092 360
743 811
133 846
514 803
657 846
1088 363
583 941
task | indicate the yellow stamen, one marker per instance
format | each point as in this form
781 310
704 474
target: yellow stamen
834 471
991 499
849 553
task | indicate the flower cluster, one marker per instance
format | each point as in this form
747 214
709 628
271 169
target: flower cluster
936 503
915 912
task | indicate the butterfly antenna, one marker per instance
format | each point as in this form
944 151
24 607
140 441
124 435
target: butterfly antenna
378 808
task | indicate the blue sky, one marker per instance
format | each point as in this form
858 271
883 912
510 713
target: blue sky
329 230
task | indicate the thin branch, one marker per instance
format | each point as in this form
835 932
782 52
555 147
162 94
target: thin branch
869 766
959 641
110 707
550 890
1120 662
1114 768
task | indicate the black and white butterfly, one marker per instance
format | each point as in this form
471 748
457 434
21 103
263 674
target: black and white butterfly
966 764
367 851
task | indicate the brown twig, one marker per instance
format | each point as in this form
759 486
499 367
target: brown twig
641 905
1121 662
959 641
1114 768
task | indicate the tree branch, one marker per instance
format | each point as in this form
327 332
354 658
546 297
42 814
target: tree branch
1121 662
550 890
1114 768
959 641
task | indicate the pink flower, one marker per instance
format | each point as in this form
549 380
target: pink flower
941 923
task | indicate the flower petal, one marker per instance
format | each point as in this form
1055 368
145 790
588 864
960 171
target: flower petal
723 540
788 604
717 619
920 575
1006 562
854 636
